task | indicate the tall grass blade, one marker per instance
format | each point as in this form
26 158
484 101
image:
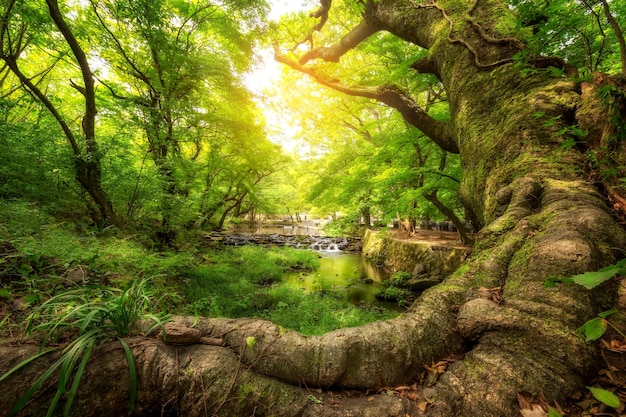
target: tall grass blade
132 369
79 374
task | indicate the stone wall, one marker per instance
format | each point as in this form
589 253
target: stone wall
425 261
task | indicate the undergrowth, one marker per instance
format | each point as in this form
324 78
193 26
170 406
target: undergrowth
247 282
37 252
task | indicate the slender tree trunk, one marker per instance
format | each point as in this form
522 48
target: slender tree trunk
88 170
432 197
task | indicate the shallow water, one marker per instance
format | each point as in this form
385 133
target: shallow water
347 273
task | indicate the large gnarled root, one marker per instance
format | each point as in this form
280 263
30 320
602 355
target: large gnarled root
385 353
527 341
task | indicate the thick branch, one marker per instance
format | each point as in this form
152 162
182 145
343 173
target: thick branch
425 66
322 14
438 131
332 53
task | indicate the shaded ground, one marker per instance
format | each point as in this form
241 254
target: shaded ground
432 237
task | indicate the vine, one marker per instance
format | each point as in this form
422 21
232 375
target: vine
479 29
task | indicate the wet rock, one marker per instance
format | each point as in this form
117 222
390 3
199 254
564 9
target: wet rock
421 283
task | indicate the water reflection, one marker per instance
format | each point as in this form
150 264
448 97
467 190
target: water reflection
347 273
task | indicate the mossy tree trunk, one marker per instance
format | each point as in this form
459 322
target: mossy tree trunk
539 218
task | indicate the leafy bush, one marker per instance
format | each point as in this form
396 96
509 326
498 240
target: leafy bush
397 295
399 278
344 225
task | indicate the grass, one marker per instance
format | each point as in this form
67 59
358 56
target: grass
208 281
87 316
247 282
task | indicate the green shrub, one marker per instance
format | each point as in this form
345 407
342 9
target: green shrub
399 278
397 295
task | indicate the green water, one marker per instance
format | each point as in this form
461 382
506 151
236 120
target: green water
348 274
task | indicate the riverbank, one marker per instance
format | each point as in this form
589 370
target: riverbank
428 255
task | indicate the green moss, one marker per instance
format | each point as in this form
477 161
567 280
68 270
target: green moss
244 390
482 279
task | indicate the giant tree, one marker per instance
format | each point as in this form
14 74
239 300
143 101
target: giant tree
514 125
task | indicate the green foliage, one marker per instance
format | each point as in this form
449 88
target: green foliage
319 312
591 279
393 294
553 412
605 397
233 284
399 278
578 32
344 225
88 316
595 328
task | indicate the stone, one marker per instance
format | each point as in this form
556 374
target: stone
421 283
76 275
419 269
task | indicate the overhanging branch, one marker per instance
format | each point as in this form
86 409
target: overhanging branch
322 14
439 132
332 53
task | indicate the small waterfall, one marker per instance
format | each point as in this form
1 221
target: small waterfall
317 243
333 248
325 245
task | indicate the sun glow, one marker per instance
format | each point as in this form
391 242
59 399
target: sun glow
264 80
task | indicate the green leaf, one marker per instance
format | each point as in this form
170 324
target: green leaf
132 370
607 313
78 376
553 412
591 280
552 281
250 341
605 397
314 399
593 329
568 143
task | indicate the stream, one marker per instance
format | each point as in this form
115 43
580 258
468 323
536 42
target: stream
342 271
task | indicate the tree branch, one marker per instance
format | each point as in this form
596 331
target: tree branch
439 132
322 14
332 53
618 33
89 88
432 197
